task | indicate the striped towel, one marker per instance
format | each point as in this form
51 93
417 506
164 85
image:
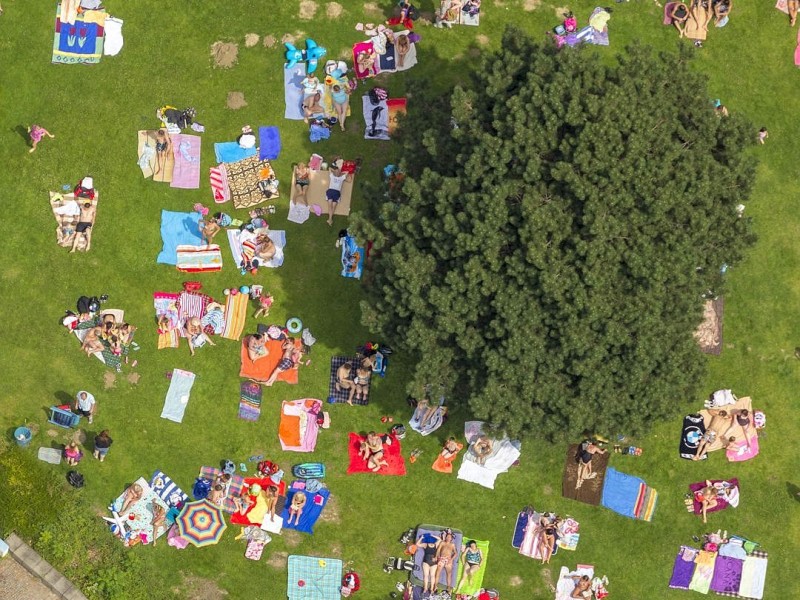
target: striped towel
169 339
191 304
199 259
249 401
235 315
167 490
219 184
166 303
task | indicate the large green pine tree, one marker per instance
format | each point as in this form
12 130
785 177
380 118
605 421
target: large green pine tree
561 217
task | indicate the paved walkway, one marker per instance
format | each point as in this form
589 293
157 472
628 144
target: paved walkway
17 584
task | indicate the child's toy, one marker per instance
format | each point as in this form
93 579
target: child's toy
312 54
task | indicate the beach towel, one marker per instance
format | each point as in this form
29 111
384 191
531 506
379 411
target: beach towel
505 453
754 575
315 503
376 118
742 450
314 578
191 304
178 229
113 42
235 316
269 143
178 395
249 401
342 395
166 304
723 502
293 91
432 424
519 527
477 577
410 59
783 6
146 152
391 454
599 23
298 429
692 435
445 465
683 569
66 211
256 511
727 574
198 259
244 177
167 490
80 42
139 517
468 18
709 332
703 571
435 531
235 486
218 178
298 213
352 258
231 152
387 62
628 495
566 584
277 236
357 70
591 490
263 368
568 535
318 183
186 152
397 109
255 548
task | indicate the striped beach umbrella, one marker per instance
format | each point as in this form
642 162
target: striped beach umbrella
201 523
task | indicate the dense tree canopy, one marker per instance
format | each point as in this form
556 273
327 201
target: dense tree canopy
560 219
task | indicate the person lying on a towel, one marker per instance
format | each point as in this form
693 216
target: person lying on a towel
312 107
83 230
586 452
289 360
720 423
583 587
256 347
195 334
371 450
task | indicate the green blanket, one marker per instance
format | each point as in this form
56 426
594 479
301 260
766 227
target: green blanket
477 578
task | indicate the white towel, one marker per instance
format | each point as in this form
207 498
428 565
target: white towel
113 42
298 213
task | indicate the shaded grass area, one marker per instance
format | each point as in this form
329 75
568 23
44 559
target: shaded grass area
94 113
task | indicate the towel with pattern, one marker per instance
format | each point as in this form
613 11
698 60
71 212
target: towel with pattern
244 179
235 315
198 259
339 394
167 490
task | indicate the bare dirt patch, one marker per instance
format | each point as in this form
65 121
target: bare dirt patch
133 378
235 100
331 514
547 489
515 581
224 54
52 433
547 577
269 41
474 52
334 10
346 53
198 587
372 9
79 437
251 39
292 537
427 17
278 560
531 5
109 380
562 11
308 8
482 39
499 3
336 550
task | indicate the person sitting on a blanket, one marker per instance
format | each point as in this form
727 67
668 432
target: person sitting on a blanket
195 335
208 229
256 347
707 497
360 387
312 107
586 452
344 381
290 358
310 85
92 342
679 16
296 507
583 586
406 16
482 449
132 495
721 421
158 521
217 494
371 450
449 11
83 230
265 248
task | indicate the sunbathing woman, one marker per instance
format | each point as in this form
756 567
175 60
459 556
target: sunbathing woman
374 452
720 423
472 557
679 15
547 542
741 418
163 147
217 494
429 544
256 347
343 379
287 360
446 555
296 507
341 101
92 342
132 495
265 248
159 520
195 335
586 453
272 501
583 587
482 448
208 229
403 46
707 497
312 109
301 180
360 387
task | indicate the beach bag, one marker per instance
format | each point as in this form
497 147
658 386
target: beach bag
399 431
267 468
75 479
86 304
228 467
201 489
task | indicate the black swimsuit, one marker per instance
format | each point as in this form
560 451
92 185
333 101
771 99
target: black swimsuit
429 558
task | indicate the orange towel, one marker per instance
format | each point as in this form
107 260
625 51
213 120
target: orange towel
445 465
263 368
289 428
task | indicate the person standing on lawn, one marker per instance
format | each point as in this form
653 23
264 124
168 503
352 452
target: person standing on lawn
85 405
102 442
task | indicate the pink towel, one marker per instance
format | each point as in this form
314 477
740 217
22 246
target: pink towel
797 51
668 11
186 149
364 47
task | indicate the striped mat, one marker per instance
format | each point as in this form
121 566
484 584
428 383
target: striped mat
249 401
198 259
235 315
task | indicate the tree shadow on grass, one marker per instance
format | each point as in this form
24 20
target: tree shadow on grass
793 491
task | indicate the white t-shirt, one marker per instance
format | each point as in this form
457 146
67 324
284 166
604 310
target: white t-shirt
337 182
86 404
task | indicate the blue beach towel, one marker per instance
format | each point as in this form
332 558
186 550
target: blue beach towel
231 152
315 502
352 258
178 395
269 143
620 492
519 529
293 92
177 228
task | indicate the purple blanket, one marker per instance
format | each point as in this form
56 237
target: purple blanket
727 574
683 569
722 503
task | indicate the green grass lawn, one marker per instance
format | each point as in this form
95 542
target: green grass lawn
95 111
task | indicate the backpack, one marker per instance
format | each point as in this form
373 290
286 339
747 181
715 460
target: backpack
377 94
267 468
75 479
201 489
85 304
413 12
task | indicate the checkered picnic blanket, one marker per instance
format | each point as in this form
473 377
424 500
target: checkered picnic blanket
314 578
234 489
341 396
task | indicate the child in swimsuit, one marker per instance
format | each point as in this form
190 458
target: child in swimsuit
37 133
301 181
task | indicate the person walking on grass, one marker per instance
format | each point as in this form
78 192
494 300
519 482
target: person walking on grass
102 442
763 134
37 133
85 405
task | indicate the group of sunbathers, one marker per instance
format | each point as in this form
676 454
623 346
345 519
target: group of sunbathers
723 426
257 350
692 19
357 385
107 336
439 557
